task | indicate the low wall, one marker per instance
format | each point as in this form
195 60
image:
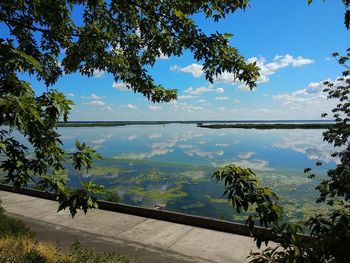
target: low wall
197 221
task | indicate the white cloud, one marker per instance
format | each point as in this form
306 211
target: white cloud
259 165
246 155
177 106
199 90
98 73
95 103
157 148
162 56
92 96
222 98
203 89
195 69
155 136
132 137
236 101
70 94
311 95
120 86
107 108
204 154
219 90
202 101
267 68
154 107
186 97
309 102
95 97
130 106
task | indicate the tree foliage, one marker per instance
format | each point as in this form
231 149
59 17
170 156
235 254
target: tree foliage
40 38
329 234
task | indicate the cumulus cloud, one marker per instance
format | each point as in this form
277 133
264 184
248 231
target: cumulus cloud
95 103
119 86
107 108
186 97
219 90
246 155
195 69
203 89
267 68
310 96
256 164
177 106
130 106
92 96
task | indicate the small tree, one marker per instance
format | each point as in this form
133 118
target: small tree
121 37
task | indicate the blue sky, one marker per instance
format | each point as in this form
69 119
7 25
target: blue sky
291 42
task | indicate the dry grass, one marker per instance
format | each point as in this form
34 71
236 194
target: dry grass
20 249
26 250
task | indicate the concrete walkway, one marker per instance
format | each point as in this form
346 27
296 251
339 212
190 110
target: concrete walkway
143 239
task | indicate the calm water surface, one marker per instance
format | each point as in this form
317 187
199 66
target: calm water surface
173 164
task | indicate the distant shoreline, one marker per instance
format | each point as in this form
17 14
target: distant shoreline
250 124
265 126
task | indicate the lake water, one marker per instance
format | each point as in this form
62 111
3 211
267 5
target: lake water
173 164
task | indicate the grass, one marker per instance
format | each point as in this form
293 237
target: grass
12 227
163 195
18 245
27 250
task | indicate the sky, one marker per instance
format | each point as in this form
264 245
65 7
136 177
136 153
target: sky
291 42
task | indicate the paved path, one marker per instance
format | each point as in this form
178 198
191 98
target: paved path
143 239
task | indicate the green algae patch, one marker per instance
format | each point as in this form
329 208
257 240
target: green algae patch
217 200
157 176
104 170
193 206
164 195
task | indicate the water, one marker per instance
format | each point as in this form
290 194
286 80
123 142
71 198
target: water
173 164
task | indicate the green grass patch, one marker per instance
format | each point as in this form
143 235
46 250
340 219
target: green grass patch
217 200
164 195
104 170
11 226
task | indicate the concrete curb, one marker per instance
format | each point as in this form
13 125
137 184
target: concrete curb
185 219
